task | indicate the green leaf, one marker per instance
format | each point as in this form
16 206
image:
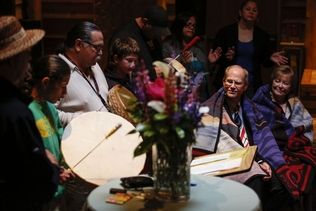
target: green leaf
142 148
180 132
132 132
148 133
160 116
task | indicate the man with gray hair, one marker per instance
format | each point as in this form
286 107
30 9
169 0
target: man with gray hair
234 122
87 89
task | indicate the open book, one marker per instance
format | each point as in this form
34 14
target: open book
224 163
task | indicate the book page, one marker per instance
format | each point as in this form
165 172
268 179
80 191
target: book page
214 167
225 162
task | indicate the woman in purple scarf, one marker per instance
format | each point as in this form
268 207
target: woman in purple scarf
291 125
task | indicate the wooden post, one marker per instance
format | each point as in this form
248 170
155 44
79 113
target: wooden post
37 9
310 41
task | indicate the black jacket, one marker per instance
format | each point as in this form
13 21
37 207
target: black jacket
227 37
28 179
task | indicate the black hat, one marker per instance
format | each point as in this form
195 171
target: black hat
156 16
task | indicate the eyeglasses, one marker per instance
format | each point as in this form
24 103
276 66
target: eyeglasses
97 48
188 25
230 82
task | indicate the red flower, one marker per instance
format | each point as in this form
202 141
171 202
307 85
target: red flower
156 90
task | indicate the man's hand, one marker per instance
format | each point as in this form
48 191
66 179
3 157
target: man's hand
267 169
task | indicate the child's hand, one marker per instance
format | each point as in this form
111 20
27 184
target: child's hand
65 175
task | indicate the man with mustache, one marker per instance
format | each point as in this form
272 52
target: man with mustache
87 88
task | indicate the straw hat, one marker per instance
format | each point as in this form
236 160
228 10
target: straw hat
14 39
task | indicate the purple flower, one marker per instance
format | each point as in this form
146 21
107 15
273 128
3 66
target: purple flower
165 109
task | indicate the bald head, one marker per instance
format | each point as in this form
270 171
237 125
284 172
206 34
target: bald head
235 82
243 71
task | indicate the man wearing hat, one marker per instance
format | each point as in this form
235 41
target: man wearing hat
28 179
148 30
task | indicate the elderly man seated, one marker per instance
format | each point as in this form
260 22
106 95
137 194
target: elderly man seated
234 122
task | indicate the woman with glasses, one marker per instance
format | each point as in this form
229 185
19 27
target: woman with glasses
195 61
87 88
292 127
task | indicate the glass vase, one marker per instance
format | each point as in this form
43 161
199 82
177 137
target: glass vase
171 172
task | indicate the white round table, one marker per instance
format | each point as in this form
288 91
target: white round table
209 194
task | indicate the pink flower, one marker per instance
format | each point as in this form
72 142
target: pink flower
156 90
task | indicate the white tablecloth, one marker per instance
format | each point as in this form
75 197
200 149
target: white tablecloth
209 194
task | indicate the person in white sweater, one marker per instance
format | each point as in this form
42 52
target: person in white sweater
87 88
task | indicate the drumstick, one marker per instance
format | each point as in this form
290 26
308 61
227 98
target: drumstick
111 132
191 43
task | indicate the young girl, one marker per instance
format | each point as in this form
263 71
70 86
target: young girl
50 78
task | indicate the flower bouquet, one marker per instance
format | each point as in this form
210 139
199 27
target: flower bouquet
166 115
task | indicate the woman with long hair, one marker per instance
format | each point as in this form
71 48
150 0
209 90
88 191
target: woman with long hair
245 44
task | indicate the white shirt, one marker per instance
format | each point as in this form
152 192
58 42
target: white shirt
80 96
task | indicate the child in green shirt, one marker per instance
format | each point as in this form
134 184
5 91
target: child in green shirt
50 78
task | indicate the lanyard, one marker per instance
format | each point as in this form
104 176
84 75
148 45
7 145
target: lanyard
96 91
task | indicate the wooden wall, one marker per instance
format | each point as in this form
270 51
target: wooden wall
58 16
310 35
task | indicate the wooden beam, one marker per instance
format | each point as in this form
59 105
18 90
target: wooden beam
310 41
